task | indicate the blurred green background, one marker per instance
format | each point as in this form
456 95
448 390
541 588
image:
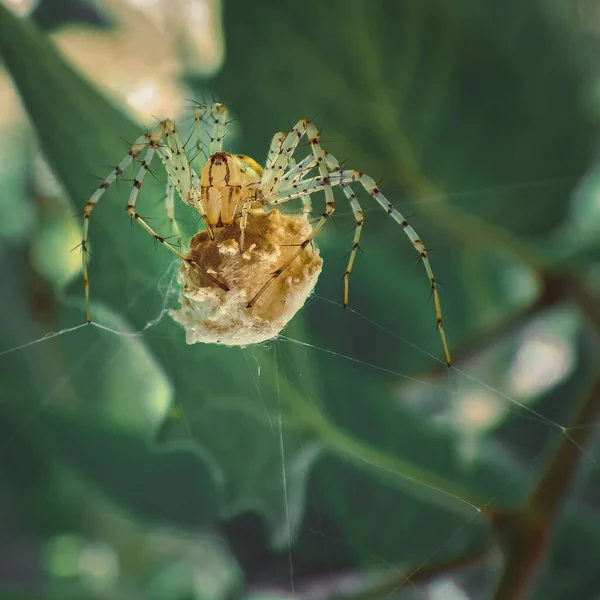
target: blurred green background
344 456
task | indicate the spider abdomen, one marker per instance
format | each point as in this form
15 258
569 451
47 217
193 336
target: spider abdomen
211 315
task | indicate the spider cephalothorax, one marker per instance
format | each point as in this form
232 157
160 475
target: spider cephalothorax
230 292
227 182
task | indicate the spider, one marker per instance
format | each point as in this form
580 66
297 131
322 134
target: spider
230 191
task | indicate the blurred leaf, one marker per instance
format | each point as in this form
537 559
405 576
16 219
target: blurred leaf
21 595
176 486
422 94
19 215
68 110
456 105
443 89
81 131
262 469
122 267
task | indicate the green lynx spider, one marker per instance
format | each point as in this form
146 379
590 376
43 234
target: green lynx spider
228 186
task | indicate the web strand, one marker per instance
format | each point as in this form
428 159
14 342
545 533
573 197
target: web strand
276 421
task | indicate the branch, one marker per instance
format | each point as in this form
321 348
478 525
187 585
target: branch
524 533
419 575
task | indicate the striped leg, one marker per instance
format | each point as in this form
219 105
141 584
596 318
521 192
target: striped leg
289 145
150 139
174 157
150 142
271 179
272 156
347 177
371 187
244 221
219 113
359 216
274 150
214 118
180 171
296 172
170 208
273 190
198 120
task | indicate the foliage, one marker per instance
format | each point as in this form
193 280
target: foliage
436 98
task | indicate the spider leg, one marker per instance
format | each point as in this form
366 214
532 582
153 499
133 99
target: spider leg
180 172
359 216
151 143
275 149
301 187
306 204
198 117
371 187
172 153
296 172
244 220
175 156
274 152
170 208
271 178
289 145
144 141
220 128
214 116
346 177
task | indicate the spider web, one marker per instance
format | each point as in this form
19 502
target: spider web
470 439
361 459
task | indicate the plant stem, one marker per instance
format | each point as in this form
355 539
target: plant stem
524 533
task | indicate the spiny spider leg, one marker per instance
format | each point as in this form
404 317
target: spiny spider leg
349 176
272 175
274 149
174 158
244 222
216 115
178 170
151 143
152 137
198 112
296 172
220 117
170 208
359 216
304 126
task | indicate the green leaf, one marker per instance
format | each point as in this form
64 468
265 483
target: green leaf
81 131
455 105
432 98
262 468
176 486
